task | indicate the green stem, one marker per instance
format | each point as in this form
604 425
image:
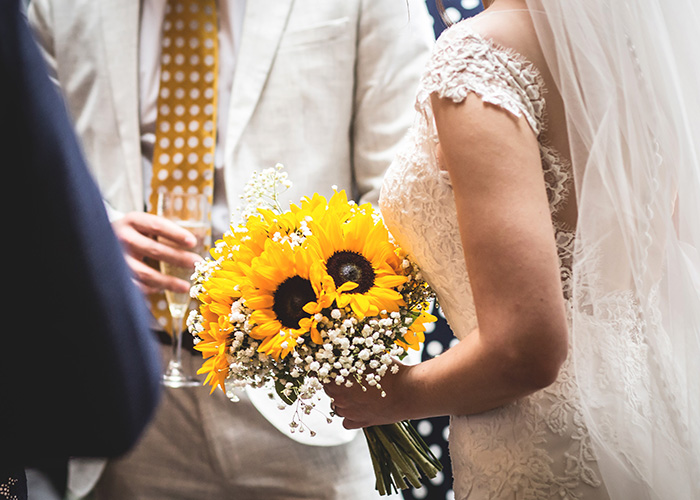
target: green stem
380 484
404 436
400 467
414 445
399 453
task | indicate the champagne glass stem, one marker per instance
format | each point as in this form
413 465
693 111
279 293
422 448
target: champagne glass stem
175 375
176 358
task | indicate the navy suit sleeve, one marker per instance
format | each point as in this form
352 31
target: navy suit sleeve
79 369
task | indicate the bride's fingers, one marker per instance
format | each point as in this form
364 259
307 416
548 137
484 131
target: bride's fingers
337 410
354 424
353 417
341 394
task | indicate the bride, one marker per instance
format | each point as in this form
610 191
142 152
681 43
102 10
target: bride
550 191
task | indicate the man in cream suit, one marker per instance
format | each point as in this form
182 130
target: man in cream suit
325 87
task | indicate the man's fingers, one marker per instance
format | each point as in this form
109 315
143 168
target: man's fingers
140 233
148 236
150 280
166 252
156 226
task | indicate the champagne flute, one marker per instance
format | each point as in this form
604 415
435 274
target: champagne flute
190 211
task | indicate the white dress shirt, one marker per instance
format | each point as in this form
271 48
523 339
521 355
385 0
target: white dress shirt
231 13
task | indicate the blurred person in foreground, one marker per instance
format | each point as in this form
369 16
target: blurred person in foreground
79 375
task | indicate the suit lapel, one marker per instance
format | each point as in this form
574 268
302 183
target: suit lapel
264 24
120 29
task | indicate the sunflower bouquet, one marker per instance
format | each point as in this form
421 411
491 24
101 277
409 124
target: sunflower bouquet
312 295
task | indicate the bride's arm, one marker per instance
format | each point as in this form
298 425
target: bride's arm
493 161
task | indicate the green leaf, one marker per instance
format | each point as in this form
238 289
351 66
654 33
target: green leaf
280 386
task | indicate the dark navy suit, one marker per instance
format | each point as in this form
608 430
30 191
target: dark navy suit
79 373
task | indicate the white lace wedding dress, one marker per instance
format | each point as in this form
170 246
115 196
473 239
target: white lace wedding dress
538 447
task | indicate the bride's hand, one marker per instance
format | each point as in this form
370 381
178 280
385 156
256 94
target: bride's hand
366 407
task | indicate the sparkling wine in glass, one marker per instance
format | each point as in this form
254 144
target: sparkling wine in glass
191 212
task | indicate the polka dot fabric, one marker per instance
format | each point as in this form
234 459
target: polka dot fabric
435 431
456 10
183 157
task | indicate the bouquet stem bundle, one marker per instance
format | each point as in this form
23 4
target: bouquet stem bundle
399 456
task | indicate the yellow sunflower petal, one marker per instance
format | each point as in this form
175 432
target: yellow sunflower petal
219 309
315 335
360 304
343 299
260 301
389 281
347 287
265 330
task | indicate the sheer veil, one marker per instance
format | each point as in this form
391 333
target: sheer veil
629 75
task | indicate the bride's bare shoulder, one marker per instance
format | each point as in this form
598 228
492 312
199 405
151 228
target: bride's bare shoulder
508 24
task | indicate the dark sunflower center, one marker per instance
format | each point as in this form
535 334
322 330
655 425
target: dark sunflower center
289 298
347 266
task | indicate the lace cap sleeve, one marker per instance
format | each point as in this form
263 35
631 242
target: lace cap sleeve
462 61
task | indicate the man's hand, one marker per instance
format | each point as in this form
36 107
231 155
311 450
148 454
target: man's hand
139 233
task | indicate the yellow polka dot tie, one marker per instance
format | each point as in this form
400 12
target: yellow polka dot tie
183 157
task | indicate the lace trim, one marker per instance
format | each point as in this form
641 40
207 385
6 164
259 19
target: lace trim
558 179
463 61
565 240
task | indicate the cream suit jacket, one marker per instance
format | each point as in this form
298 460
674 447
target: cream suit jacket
325 87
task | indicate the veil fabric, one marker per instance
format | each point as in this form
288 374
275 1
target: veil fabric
629 76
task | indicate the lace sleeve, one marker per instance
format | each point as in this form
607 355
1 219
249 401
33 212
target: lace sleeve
462 62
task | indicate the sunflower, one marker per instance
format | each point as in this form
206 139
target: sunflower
416 331
213 346
278 286
359 257
234 253
216 291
